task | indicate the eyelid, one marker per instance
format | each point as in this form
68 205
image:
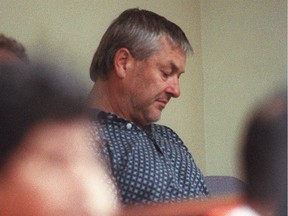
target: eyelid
166 73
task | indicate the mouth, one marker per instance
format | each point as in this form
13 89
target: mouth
162 103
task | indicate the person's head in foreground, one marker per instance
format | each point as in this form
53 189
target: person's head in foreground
137 66
11 51
264 162
46 167
265 157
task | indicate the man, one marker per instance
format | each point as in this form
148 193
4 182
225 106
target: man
46 166
136 70
12 51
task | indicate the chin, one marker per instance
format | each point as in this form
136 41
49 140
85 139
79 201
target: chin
151 116
155 118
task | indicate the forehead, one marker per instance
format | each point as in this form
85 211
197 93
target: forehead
51 141
169 54
58 136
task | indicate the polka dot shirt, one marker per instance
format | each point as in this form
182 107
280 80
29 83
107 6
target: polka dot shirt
150 165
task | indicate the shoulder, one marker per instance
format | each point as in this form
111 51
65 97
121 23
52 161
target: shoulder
162 129
166 132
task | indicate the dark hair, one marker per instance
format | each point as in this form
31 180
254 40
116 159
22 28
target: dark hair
13 46
139 31
32 95
265 151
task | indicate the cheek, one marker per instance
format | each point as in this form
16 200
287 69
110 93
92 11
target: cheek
149 89
45 187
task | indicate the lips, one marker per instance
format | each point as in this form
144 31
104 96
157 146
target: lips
162 103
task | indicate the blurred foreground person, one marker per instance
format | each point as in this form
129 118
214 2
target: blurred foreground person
46 167
264 162
11 51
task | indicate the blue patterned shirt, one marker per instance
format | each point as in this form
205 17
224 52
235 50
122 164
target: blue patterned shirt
150 165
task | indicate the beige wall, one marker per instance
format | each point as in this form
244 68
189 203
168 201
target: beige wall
244 47
240 53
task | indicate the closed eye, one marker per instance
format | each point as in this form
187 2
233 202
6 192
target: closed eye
165 74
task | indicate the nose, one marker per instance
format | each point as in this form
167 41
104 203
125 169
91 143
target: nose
173 87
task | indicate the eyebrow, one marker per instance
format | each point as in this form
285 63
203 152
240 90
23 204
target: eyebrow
175 68
172 65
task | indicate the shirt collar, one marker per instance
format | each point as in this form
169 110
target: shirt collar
103 115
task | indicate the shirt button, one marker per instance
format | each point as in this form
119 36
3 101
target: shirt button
128 126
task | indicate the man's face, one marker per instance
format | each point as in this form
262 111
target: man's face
55 173
153 82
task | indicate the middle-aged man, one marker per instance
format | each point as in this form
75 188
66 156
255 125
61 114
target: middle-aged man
136 70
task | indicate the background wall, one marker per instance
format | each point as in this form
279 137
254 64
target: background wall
244 47
240 54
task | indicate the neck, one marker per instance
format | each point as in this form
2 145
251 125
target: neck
110 95
106 95
99 96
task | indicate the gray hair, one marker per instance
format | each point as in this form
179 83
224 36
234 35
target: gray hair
139 31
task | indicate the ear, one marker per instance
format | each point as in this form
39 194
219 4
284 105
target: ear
122 60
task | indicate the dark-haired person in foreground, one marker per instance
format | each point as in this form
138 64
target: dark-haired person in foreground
264 162
265 157
136 70
46 166
11 51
